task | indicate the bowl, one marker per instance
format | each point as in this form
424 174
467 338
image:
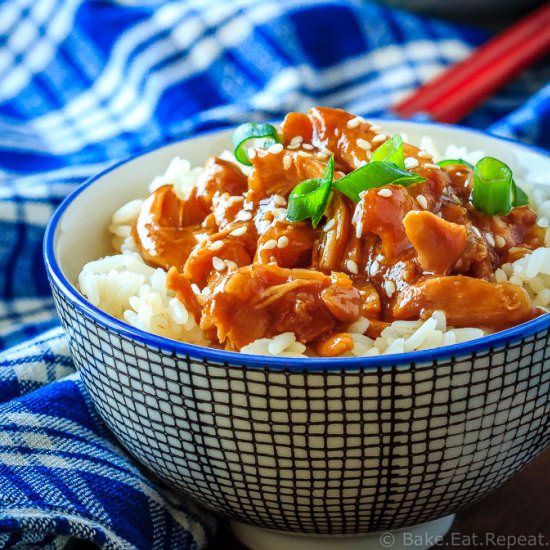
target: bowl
343 446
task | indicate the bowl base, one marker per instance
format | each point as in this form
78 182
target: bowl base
421 537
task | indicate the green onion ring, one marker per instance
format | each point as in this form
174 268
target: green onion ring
493 187
252 130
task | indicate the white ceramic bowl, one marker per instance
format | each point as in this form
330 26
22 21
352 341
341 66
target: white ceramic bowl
325 446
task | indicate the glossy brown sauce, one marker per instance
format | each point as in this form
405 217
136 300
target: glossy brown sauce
397 254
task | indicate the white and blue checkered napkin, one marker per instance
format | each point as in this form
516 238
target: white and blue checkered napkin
83 83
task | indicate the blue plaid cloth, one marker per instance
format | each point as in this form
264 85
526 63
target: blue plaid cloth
84 83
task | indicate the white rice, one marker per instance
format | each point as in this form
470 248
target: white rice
451 152
181 175
121 226
125 287
282 345
398 337
531 272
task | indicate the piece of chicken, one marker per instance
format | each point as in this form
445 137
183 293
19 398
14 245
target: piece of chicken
219 176
438 243
327 129
260 301
165 230
381 211
277 173
466 301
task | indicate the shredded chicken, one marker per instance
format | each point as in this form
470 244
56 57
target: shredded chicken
401 252
264 300
466 301
166 229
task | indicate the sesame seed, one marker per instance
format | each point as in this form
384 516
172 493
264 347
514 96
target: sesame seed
432 166
379 138
275 149
422 201
424 154
268 245
239 232
500 275
296 141
375 266
500 241
490 239
287 161
374 127
411 162
218 264
282 242
359 229
336 132
351 266
517 250
245 215
329 225
216 245
363 144
308 146
385 192
476 230
354 122
389 287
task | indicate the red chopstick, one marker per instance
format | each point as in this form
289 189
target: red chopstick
454 93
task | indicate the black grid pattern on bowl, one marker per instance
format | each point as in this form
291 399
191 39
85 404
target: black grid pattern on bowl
325 452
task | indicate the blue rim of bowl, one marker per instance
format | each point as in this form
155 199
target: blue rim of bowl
295 364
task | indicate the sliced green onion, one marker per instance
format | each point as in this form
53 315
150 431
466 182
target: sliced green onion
495 191
520 196
449 162
309 199
390 151
493 186
374 174
252 130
